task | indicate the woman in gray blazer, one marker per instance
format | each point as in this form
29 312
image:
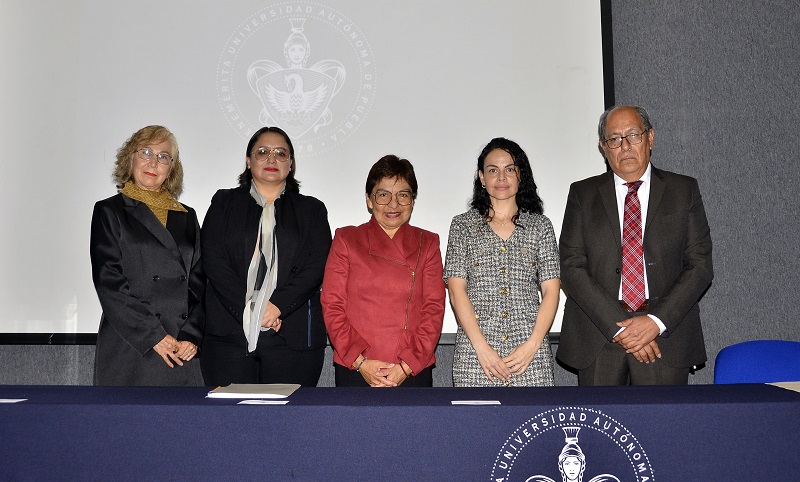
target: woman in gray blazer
145 251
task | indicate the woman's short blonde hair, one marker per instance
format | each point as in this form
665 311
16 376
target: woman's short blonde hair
123 168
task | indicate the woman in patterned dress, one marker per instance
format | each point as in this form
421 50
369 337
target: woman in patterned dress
500 255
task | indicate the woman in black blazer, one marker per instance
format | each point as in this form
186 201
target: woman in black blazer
145 251
264 252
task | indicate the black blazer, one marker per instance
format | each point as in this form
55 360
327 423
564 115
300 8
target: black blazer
150 284
677 250
229 235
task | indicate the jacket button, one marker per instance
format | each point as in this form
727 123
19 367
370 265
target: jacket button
158 315
156 278
504 314
184 316
183 278
294 269
503 249
618 271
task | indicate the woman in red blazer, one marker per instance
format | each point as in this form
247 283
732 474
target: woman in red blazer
383 294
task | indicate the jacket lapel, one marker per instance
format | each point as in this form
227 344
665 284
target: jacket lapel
253 216
410 244
403 249
609 197
286 232
143 214
657 187
183 232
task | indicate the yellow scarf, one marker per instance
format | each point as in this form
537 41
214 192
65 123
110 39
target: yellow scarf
159 202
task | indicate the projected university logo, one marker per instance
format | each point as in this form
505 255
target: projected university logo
269 74
551 448
296 98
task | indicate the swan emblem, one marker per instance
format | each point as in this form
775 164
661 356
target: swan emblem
296 100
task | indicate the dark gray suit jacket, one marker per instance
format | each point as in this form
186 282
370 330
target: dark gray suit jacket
150 284
677 250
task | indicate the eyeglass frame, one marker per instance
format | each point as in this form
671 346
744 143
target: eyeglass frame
393 196
155 154
271 152
642 134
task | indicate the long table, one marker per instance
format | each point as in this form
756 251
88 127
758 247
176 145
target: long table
694 433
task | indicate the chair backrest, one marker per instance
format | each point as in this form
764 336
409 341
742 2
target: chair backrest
758 361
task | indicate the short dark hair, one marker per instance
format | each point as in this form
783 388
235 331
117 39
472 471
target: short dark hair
527 198
601 126
292 184
391 166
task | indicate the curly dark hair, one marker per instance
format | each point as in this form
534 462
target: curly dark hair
292 184
527 197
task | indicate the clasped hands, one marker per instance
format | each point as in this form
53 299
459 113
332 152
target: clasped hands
271 317
515 364
383 374
172 350
639 338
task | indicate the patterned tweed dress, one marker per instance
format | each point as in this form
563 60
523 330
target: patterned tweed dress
503 280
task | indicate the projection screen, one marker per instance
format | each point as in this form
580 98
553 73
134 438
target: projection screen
431 81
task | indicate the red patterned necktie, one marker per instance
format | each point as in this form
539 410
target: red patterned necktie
632 253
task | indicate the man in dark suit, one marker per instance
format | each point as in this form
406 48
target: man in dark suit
635 260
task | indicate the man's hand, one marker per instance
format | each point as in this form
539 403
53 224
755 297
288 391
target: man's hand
649 353
638 333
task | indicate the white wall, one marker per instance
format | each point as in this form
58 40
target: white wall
429 81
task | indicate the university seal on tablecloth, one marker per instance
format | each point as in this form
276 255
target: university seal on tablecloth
301 66
572 444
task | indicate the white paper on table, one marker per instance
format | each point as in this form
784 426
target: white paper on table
12 400
254 390
263 402
475 402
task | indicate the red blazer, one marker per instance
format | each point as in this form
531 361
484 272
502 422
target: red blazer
384 297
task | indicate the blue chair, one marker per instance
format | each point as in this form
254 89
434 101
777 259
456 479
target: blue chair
758 361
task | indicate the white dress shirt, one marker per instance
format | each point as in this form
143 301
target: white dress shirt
621 191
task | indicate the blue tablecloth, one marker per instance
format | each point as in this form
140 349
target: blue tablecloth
695 433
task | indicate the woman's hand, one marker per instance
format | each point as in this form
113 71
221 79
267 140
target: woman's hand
521 356
167 349
395 374
375 372
493 366
186 350
271 317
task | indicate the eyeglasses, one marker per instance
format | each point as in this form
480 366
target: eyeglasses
404 198
633 139
147 154
263 153
493 171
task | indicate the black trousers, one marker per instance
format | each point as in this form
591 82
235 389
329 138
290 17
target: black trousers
224 360
351 378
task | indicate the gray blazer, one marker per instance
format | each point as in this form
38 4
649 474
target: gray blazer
150 284
677 250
